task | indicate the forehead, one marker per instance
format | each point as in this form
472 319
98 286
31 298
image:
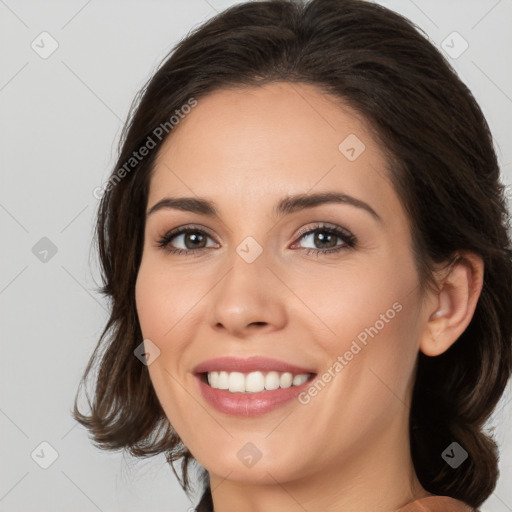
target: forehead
245 145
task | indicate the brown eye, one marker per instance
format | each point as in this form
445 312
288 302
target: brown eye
190 239
325 239
194 240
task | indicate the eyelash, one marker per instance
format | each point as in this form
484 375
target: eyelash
349 240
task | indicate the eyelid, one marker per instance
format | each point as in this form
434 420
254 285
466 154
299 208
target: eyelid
318 225
189 227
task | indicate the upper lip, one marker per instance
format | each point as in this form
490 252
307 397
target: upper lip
251 364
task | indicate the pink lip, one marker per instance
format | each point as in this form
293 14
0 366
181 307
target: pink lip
251 364
248 404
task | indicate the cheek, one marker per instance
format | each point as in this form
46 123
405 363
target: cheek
368 371
158 313
160 309
352 298
154 304
163 298
372 325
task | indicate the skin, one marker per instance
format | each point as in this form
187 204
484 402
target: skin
347 449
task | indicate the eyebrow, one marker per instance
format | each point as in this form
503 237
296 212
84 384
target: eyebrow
284 207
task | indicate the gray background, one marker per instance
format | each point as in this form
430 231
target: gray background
60 124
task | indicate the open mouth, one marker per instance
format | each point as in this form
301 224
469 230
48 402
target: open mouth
254 382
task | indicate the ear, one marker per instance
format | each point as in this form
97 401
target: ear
452 308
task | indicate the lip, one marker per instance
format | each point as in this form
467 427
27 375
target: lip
251 364
249 404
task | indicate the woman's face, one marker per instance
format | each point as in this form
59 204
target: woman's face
254 279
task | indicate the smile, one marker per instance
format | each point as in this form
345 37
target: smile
251 386
254 382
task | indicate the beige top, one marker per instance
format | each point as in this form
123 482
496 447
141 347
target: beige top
436 504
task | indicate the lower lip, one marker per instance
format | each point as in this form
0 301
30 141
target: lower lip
249 404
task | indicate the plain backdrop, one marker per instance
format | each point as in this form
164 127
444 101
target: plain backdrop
68 74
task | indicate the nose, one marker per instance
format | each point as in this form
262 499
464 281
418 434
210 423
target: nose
248 299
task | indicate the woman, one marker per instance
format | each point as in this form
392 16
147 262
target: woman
305 244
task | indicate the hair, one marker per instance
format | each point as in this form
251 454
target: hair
442 165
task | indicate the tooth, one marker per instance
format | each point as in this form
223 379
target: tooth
254 382
223 382
286 380
236 382
299 379
271 381
213 378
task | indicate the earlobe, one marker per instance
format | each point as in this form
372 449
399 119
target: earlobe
454 304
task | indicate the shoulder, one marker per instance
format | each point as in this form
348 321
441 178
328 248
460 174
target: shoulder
436 504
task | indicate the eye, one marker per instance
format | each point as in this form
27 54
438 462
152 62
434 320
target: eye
326 238
191 238
194 240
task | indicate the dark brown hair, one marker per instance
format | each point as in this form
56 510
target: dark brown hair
442 164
